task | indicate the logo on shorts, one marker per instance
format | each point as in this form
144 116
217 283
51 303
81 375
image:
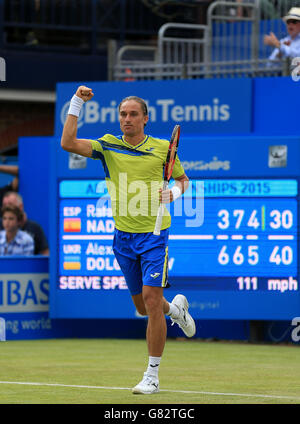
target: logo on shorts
157 274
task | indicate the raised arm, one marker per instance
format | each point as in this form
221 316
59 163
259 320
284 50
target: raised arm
69 140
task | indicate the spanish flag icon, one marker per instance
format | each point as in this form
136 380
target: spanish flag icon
72 225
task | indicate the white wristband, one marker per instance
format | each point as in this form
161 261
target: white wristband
176 191
75 106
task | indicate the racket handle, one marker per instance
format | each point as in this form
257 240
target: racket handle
159 218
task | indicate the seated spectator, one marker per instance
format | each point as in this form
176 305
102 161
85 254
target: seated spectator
14 185
31 227
13 241
288 47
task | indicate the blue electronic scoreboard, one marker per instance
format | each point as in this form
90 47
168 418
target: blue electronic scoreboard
233 241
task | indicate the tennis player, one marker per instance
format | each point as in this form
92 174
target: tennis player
136 159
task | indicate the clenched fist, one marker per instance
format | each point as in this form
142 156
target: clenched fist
84 93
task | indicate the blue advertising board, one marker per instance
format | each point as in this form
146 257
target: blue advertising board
24 297
200 106
276 106
233 241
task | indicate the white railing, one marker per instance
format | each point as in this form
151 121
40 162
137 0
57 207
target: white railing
229 45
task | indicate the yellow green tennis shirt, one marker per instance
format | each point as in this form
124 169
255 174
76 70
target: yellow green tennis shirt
133 176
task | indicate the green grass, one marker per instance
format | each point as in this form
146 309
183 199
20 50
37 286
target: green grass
189 365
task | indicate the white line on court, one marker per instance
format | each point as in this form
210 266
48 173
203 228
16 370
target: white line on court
161 390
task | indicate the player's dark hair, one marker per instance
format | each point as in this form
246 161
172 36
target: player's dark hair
138 100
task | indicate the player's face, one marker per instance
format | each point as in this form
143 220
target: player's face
132 118
10 222
293 27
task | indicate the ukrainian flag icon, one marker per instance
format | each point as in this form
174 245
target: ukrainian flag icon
72 225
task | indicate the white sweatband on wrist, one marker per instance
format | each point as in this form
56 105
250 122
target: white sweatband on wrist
176 191
75 106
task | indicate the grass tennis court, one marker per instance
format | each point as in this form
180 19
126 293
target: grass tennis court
191 371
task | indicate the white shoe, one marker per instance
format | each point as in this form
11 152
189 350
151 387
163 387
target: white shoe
185 321
147 386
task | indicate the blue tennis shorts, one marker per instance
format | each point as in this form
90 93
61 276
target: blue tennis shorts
143 259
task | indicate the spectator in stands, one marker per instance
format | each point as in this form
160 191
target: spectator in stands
14 185
31 227
288 47
13 241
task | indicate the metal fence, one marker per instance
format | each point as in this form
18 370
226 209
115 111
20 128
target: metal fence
229 45
178 45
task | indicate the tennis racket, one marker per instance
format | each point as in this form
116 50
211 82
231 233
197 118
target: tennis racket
170 161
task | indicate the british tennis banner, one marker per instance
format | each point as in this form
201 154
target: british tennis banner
204 106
